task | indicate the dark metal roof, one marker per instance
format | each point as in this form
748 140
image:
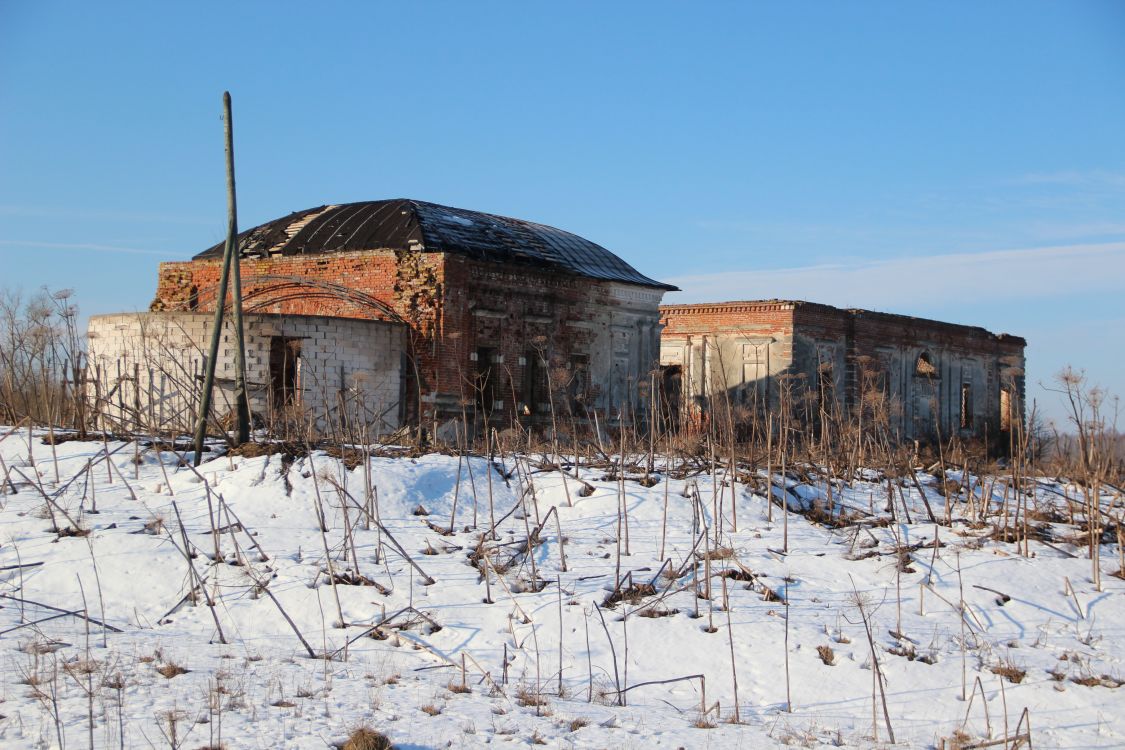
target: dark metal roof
403 224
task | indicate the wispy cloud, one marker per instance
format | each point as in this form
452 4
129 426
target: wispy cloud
1075 177
78 246
88 214
925 283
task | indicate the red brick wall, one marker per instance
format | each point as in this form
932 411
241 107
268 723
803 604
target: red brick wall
756 319
372 272
434 293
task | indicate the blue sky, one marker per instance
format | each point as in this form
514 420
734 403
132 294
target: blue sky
964 161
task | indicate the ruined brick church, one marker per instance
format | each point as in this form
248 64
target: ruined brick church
401 312
419 312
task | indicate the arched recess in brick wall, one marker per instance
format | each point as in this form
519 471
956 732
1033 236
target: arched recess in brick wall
271 289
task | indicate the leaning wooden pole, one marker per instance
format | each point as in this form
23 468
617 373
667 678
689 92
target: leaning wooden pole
241 400
220 305
212 355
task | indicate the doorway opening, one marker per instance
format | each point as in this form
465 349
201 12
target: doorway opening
285 371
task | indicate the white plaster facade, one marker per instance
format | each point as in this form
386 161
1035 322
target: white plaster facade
146 368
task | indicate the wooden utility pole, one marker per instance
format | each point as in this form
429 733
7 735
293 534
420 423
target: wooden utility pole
241 400
230 261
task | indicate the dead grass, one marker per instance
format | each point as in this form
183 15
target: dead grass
457 687
959 739
575 724
632 594
819 513
81 667
736 575
171 669
431 709
827 655
366 738
910 653
951 489
656 612
1009 672
1092 681
527 697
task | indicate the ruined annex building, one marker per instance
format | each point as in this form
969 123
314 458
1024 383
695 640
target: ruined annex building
926 379
394 312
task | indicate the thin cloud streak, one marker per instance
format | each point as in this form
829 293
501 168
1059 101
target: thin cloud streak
1092 177
79 246
99 215
921 283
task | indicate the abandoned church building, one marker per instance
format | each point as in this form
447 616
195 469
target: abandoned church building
395 312
926 379
401 312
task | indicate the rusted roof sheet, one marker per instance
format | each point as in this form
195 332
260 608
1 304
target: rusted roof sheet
403 224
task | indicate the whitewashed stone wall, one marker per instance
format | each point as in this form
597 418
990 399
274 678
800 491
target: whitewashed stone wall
147 368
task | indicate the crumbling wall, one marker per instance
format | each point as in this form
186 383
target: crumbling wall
746 351
583 344
454 307
735 350
146 369
290 285
363 285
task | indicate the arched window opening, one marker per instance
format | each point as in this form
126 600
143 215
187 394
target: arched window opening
924 367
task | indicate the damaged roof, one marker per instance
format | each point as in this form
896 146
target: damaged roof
404 224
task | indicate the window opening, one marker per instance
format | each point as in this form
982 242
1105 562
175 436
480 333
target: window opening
825 384
966 406
1005 410
486 379
579 380
671 385
533 388
925 366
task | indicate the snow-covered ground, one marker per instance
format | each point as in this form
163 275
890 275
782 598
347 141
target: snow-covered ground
433 655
